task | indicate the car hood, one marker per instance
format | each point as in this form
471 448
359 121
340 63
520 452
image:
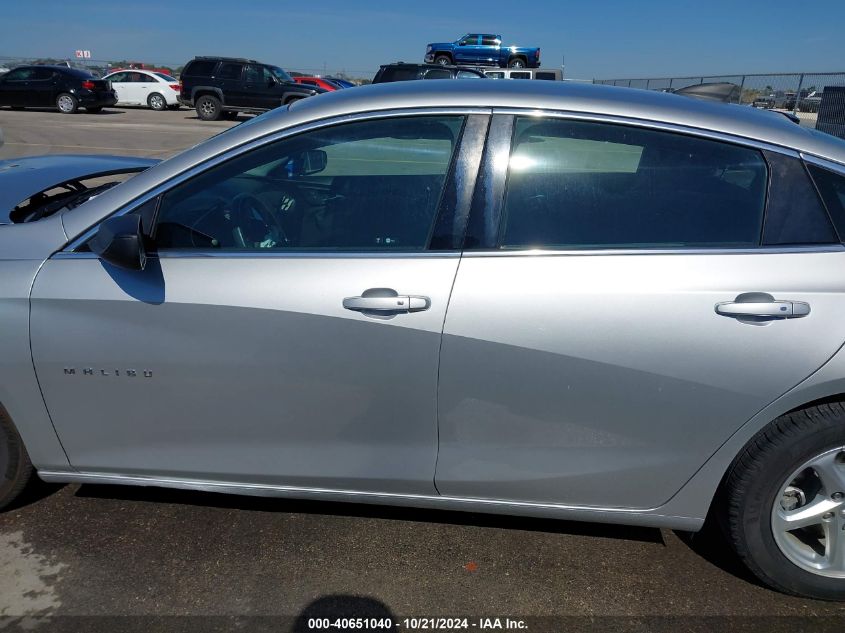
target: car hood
21 178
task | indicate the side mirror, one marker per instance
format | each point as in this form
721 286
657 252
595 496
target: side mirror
120 241
307 163
271 82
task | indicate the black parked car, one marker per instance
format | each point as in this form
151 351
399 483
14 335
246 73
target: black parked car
400 71
223 86
60 87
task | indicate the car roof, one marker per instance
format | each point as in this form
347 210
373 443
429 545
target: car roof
631 103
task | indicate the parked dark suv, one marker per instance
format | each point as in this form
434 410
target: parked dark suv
400 71
60 87
223 86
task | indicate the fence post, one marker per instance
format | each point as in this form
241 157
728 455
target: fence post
647 82
741 87
798 93
671 79
629 83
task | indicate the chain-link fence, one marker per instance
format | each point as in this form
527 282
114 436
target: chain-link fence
102 67
817 99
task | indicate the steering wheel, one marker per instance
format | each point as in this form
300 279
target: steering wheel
254 224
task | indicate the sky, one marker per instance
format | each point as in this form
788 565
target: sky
596 38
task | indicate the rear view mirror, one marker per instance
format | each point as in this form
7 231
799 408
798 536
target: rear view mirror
120 241
307 163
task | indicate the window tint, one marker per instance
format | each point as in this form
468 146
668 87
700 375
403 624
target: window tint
42 74
469 40
230 71
545 75
200 68
371 185
438 73
832 189
257 74
465 74
489 40
520 74
795 214
400 74
167 78
19 74
495 74
574 184
119 78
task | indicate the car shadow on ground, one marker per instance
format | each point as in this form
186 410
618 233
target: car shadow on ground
396 513
82 110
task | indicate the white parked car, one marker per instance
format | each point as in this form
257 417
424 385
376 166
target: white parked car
145 87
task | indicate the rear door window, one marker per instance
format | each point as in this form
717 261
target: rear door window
582 185
230 71
438 73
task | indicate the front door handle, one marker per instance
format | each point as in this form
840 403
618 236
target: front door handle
760 305
386 301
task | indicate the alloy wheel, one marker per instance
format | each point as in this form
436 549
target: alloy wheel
157 102
808 515
65 103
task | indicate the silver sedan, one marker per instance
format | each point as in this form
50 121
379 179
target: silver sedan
568 301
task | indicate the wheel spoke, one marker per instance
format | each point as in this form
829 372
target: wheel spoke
834 545
805 516
831 472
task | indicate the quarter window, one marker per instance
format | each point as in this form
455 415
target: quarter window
581 185
832 188
200 69
373 185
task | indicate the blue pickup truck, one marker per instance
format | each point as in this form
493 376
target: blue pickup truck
482 49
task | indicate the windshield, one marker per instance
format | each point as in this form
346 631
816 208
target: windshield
280 74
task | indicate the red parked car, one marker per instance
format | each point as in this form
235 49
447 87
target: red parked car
318 81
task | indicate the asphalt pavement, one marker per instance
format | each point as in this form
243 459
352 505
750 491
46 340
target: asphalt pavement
112 558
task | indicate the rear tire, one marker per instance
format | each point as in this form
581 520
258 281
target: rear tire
517 62
209 108
15 467
796 464
443 60
67 103
157 102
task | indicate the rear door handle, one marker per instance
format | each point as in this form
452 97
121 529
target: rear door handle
386 301
764 309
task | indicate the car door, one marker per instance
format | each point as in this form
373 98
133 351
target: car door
41 87
14 87
145 85
489 50
467 49
233 84
261 88
122 85
619 314
274 337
